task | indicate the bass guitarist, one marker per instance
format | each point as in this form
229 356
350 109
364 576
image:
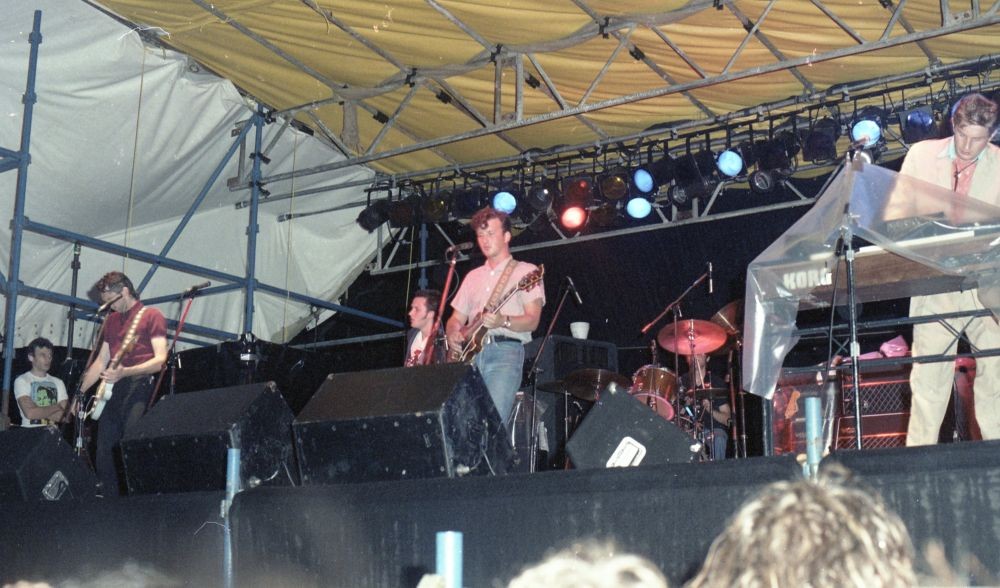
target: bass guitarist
132 350
507 327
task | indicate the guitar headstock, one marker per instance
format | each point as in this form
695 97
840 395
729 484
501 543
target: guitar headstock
528 282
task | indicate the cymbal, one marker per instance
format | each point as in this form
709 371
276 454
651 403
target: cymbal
555 386
587 384
730 317
694 337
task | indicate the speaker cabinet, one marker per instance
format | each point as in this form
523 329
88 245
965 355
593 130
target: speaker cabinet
877 431
620 430
181 445
38 465
401 423
883 391
563 355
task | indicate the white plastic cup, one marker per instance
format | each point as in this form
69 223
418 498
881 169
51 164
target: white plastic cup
579 330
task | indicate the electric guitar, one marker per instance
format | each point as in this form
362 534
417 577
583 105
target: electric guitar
475 331
104 388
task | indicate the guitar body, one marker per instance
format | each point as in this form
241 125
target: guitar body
475 332
100 399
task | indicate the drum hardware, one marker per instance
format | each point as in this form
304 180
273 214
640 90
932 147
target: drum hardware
692 337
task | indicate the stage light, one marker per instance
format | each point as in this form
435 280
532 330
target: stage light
573 217
614 185
867 126
647 179
505 201
917 124
468 201
373 215
577 196
605 215
692 178
763 181
435 207
579 189
778 153
729 163
539 197
820 141
639 207
403 213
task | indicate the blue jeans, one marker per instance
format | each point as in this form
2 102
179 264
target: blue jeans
501 365
719 442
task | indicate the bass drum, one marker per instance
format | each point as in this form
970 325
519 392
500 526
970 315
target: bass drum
656 387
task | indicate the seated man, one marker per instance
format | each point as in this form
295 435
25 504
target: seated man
41 398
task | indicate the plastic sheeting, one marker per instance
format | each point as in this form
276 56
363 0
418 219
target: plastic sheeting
953 241
124 138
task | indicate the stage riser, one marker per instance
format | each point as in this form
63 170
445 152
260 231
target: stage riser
179 535
384 534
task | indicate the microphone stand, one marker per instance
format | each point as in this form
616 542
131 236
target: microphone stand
675 307
533 380
428 353
78 402
172 359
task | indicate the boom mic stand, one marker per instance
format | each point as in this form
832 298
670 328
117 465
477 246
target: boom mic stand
533 380
173 360
675 308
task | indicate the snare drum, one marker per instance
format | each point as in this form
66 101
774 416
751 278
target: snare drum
656 387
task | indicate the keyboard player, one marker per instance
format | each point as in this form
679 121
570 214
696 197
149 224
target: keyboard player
969 165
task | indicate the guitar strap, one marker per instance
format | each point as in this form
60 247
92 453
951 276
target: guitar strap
499 289
129 340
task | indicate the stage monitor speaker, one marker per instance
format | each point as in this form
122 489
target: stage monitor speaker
619 430
181 445
563 355
37 464
401 423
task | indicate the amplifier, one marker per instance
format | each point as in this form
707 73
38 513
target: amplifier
877 431
882 392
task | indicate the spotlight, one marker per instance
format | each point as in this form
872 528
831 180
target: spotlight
778 153
435 207
614 185
403 213
577 196
647 179
729 163
540 196
505 201
468 201
639 207
692 177
867 126
917 124
374 215
763 181
605 215
820 142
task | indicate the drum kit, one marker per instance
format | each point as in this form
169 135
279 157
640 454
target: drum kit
659 387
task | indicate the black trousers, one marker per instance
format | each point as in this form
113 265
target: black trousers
129 398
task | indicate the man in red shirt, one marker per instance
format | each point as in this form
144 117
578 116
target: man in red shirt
133 349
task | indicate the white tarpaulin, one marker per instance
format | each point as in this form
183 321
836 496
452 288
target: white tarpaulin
123 139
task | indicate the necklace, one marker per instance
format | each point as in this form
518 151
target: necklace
959 171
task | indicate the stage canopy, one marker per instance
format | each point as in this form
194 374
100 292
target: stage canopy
139 100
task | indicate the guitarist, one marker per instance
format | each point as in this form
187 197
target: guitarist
423 311
132 376
508 328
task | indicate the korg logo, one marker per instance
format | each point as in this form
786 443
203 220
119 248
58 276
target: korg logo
807 279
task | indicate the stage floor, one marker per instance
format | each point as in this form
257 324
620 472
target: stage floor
383 534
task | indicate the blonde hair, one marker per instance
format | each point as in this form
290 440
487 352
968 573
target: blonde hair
591 564
804 533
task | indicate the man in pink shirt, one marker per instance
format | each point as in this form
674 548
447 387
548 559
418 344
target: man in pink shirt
969 165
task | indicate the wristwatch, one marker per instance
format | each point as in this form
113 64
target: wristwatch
506 322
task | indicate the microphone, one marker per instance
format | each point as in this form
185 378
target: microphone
711 284
195 288
107 304
458 247
572 287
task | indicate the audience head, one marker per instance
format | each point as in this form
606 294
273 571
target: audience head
805 533
591 565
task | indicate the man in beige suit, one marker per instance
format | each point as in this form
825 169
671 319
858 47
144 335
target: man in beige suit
969 165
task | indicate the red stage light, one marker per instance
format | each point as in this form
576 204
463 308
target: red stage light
573 217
